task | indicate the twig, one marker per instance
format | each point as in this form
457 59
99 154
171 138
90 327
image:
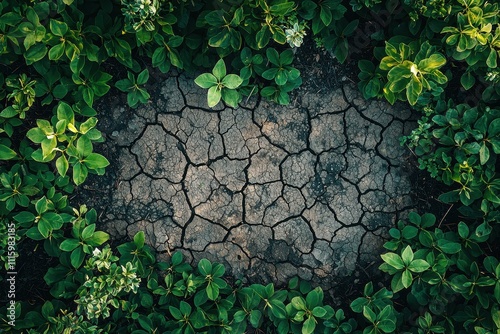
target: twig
439 225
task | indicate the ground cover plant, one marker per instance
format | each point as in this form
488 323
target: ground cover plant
55 57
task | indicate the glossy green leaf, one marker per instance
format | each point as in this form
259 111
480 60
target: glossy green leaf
69 244
219 70
97 238
213 96
309 326
143 77
58 28
80 173
6 153
232 81
95 161
406 278
62 165
393 260
206 80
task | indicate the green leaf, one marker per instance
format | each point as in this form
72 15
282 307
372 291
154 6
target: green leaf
64 111
80 173
143 77
58 28
6 153
77 257
83 146
273 56
36 135
56 51
434 62
231 97
124 85
232 81
491 61
175 312
69 244
255 318
213 97
88 231
24 217
484 154
448 247
206 80
309 326
212 291
325 15
263 36
494 128
286 57
467 80
219 70
97 239
139 239
35 53
318 311
393 260
369 314
406 278
413 90
299 303
205 267
62 165
34 233
88 125
418 266
407 255
95 161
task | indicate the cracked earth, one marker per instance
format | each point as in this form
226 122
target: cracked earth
270 191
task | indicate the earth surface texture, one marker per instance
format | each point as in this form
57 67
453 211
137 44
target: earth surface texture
270 191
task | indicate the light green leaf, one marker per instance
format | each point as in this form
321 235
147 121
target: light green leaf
98 238
406 278
213 97
88 125
79 173
231 97
95 161
139 239
407 255
309 326
219 70
58 28
393 260
56 51
232 81
299 303
418 266
206 80
434 62
369 314
413 90
83 146
6 153
62 165
484 154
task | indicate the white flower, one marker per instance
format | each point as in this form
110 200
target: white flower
295 35
96 252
